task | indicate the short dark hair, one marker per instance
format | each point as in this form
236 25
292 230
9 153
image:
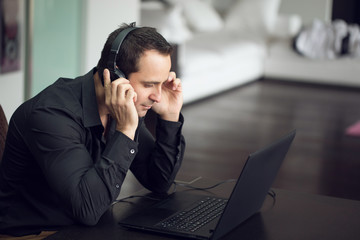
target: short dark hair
132 48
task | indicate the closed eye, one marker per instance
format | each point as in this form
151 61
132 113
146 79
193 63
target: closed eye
149 85
152 84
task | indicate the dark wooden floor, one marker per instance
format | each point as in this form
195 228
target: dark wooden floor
221 131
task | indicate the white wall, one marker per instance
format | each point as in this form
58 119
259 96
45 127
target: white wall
99 26
308 9
11 91
100 18
55 47
12 84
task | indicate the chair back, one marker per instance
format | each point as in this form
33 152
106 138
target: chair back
3 131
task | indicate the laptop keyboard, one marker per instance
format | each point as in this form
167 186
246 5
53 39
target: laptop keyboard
193 219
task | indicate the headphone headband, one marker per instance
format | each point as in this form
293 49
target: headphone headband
115 47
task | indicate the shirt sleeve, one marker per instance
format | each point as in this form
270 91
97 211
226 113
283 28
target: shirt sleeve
158 161
85 184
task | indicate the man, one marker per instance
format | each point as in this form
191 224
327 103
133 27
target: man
69 148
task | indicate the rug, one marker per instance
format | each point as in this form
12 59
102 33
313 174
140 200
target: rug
353 130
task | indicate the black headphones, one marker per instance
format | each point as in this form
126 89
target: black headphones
115 72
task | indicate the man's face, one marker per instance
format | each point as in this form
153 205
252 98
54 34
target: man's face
153 71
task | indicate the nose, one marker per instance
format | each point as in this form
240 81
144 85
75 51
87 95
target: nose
156 94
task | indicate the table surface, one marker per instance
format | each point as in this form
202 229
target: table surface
293 215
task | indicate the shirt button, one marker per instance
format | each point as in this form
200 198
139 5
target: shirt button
117 186
132 151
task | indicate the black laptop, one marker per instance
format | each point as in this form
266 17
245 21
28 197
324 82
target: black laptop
206 217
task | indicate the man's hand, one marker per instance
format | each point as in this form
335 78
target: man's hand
119 99
171 99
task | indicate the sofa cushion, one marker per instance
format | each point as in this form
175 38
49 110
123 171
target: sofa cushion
287 26
283 62
197 59
169 21
206 51
226 75
253 16
201 16
222 6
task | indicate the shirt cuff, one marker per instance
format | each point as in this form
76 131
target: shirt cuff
169 132
121 149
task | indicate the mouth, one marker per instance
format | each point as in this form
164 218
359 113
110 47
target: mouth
147 107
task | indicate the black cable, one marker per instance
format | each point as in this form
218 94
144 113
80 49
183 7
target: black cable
134 196
204 188
272 194
174 190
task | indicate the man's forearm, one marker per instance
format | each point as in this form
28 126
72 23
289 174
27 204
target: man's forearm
157 169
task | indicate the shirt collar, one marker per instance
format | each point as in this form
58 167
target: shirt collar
89 103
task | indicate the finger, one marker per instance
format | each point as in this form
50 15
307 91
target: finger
172 76
174 84
169 82
106 76
177 84
130 94
107 86
120 81
122 90
135 97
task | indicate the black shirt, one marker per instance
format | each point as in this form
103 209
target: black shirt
58 169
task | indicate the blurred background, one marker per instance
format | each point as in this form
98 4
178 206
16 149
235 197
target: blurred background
63 38
42 40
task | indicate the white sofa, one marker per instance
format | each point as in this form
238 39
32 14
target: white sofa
283 63
225 43
215 62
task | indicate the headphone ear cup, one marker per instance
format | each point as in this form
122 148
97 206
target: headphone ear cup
119 73
112 75
115 74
